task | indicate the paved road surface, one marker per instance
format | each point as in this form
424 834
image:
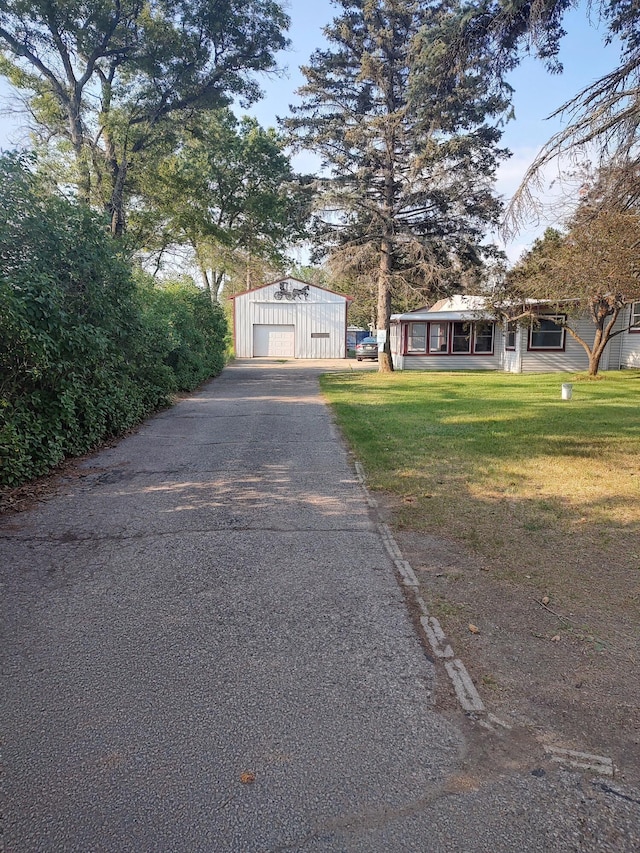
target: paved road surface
212 599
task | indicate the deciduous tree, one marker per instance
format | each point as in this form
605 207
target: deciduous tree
605 114
229 193
107 76
593 269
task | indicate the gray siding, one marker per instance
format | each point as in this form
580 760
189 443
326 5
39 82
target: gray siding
629 343
572 359
614 354
630 355
452 362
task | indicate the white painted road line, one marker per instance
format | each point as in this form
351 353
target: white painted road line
389 542
436 637
463 685
493 719
421 604
407 573
582 760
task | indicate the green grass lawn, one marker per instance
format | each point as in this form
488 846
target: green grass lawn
500 463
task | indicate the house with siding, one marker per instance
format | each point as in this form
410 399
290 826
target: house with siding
461 334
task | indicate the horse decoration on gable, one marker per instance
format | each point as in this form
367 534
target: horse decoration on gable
290 295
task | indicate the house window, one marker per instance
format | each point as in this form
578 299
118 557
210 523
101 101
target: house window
483 338
547 333
510 335
438 337
464 337
417 337
634 325
461 337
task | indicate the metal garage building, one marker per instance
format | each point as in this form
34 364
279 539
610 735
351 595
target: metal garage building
290 319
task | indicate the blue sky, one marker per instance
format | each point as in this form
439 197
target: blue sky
537 93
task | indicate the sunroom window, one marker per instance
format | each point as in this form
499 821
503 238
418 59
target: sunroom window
635 317
461 338
438 337
510 335
483 338
417 337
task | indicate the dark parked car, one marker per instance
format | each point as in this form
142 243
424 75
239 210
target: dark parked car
367 348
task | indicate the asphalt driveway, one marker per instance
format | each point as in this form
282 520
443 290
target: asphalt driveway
206 649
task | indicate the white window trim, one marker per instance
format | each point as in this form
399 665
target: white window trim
446 325
468 335
475 337
554 317
411 351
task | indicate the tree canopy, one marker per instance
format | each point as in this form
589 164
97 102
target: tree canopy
110 79
229 193
604 114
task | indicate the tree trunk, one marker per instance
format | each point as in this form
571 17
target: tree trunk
217 280
594 362
595 354
117 167
207 282
116 202
605 324
210 278
385 363
76 132
599 342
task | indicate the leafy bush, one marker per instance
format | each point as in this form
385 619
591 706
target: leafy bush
189 330
87 347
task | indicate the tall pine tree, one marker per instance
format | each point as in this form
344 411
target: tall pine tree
408 148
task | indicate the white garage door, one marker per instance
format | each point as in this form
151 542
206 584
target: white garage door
273 341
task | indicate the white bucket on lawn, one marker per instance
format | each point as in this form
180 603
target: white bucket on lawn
567 390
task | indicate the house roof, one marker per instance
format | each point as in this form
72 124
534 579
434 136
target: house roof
457 307
418 310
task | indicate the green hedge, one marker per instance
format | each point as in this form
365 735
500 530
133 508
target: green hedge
88 347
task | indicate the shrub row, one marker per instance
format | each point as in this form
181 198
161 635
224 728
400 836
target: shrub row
88 345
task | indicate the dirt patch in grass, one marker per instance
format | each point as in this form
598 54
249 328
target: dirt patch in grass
557 653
